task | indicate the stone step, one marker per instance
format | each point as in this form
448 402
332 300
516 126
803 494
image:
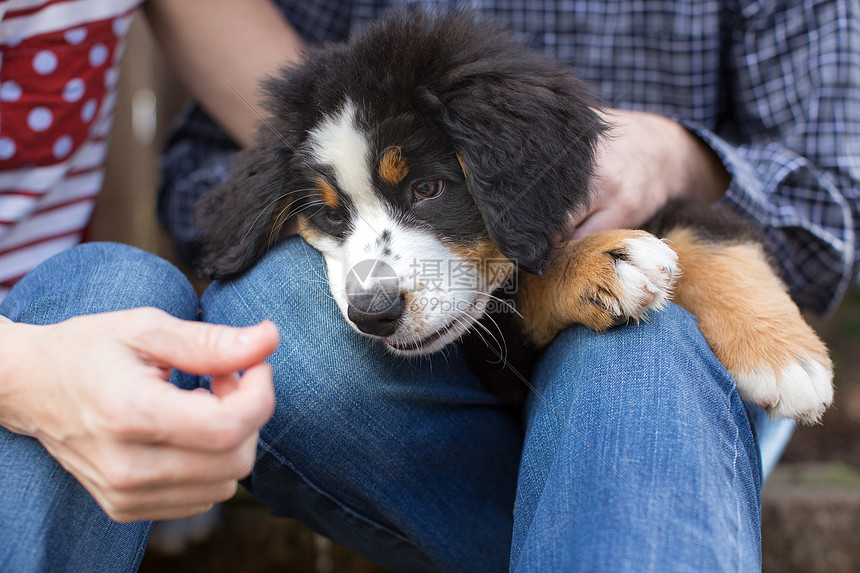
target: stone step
811 519
249 539
810 524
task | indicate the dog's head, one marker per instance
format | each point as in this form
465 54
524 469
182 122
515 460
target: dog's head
426 159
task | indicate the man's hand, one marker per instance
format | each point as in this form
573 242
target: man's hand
93 391
645 161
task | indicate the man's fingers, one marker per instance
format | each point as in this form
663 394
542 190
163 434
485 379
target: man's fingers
198 420
223 384
143 467
164 414
601 220
201 348
140 481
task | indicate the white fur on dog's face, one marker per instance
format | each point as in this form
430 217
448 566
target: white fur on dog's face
444 293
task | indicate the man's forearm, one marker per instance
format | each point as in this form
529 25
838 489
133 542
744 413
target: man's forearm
221 49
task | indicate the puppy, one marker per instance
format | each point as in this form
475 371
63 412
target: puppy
435 163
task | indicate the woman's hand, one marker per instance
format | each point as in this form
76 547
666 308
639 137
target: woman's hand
643 162
93 391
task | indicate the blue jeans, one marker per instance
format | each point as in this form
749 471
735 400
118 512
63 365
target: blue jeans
634 451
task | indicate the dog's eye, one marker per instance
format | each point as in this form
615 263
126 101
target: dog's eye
427 189
334 216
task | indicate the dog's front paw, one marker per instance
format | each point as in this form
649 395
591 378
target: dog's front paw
602 280
632 273
645 272
794 381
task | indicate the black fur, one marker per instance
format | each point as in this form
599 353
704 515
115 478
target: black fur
524 127
714 223
235 220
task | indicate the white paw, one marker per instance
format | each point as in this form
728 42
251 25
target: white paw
803 390
646 271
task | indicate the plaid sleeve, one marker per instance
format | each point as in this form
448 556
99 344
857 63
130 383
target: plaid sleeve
196 158
791 139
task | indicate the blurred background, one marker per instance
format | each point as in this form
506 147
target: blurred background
811 504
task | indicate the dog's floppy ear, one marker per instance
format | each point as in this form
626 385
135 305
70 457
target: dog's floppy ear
236 220
526 131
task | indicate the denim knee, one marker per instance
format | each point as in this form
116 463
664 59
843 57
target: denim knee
99 277
665 353
640 383
288 287
56 524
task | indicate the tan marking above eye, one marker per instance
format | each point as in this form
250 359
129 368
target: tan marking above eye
327 193
392 166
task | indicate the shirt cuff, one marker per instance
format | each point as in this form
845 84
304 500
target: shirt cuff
746 192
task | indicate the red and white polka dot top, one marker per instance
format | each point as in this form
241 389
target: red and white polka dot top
58 74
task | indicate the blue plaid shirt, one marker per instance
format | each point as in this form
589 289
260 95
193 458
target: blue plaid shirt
772 86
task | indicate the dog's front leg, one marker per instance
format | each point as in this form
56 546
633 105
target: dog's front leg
757 332
602 280
743 309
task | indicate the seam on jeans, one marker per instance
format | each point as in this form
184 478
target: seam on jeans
271 450
239 296
738 516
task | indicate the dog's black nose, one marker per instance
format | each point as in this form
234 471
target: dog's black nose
376 311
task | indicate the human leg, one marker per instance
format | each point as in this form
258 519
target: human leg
411 463
48 521
639 456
